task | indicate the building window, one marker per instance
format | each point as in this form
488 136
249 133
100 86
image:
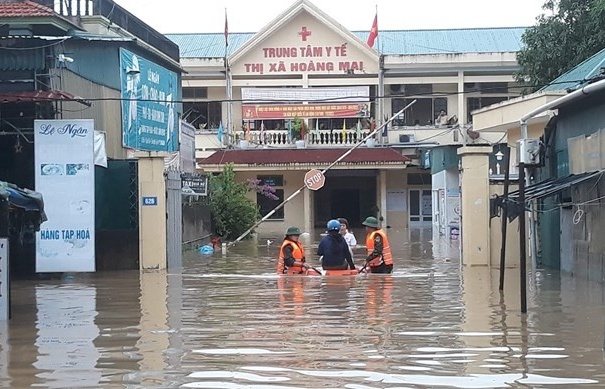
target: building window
475 103
419 179
422 113
203 115
266 204
195 93
486 87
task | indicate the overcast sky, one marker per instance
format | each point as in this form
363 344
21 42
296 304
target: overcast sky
175 16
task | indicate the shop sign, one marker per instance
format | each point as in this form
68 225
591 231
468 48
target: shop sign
291 111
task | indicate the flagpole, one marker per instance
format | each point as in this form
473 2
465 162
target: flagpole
229 89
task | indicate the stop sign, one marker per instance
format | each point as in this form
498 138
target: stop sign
314 179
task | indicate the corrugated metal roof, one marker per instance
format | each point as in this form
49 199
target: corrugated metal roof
578 75
400 42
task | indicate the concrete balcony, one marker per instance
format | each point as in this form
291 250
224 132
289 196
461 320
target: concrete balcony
207 141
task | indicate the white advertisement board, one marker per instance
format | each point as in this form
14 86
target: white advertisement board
4 300
64 164
341 94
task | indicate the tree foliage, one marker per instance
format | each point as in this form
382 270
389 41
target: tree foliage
232 210
567 33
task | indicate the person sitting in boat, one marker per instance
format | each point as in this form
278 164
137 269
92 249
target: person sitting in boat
379 259
291 254
348 235
334 249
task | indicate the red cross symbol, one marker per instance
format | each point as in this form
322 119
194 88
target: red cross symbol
304 33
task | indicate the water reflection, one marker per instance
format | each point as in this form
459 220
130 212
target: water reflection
229 322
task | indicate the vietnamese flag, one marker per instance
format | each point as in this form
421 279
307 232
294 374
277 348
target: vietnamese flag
373 32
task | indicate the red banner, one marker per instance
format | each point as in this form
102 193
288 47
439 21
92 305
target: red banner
291 111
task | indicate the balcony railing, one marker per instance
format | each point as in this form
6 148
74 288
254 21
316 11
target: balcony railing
320 138
75 9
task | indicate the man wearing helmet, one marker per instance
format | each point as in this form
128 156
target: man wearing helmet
291 254
379 259
334 249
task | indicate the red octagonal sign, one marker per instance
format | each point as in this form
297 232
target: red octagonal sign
314 179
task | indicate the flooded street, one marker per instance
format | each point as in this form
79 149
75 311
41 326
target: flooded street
229 322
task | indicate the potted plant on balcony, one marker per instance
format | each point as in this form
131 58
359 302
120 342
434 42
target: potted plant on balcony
297 132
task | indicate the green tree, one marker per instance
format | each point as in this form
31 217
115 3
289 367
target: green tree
566 34
232 210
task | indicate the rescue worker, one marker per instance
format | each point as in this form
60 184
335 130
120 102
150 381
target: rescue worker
291 254
334 249
379 259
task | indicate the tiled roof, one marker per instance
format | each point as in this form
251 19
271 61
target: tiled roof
579 74
393 42
23 8
303 156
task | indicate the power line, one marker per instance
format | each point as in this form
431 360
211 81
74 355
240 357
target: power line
291 101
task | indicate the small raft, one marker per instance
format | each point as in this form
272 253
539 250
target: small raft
320 272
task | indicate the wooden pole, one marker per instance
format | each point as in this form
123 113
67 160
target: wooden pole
504 216
522 238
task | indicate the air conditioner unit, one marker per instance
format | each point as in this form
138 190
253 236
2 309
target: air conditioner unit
406 138
528 152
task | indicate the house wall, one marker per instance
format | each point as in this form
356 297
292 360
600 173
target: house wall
587 226
581 118
293 210
397 199
512 234
106 114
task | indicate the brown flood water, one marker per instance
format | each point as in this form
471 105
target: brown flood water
229 322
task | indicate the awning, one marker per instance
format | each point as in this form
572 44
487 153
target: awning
23 198
553 186
40 97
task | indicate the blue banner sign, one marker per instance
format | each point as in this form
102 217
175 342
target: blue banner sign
149 92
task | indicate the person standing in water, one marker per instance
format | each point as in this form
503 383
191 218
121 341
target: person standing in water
292 254
379 259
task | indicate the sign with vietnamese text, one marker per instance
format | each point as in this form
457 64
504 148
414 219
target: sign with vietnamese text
65 176
343 94
149 93
187 147
4 300
291 111
194 184
305 58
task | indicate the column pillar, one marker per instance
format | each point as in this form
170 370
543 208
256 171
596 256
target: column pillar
152 211
382 196
474 203
461 100
308 211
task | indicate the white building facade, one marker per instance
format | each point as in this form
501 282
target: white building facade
305 69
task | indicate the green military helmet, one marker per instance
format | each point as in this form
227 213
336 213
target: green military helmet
371 221
293 231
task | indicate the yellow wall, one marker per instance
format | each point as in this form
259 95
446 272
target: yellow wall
475 205
396 184
293 210
512 235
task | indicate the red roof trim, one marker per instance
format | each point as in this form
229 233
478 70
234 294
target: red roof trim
17 9
38 96
304 156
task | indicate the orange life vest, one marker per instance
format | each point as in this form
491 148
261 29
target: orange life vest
297 252
386 257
